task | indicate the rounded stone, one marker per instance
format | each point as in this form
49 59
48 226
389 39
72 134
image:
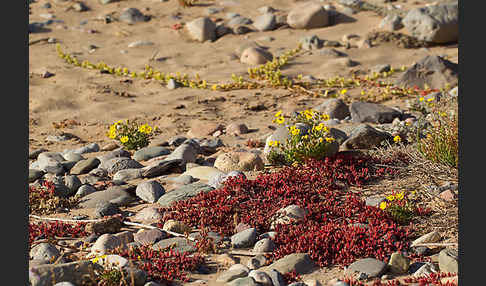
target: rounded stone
255 56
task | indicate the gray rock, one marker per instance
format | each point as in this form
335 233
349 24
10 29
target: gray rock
244 281
203 172
67 165
334 107
107 242
177 140
183 193
213 10
35 153
160 168
139 275
448 260
132 16
50 162
370 266
140 43
230 275
65 283
187 152
277 278
425 269
239 20
433 71
150 191
437 23
245 238
430 237
105 209
127 174
45 251
80 7
35 174
202 29
256 262
71 156
148 214
90 148
308 16
300 262
260 277
213 235
266 9
85 190
264 245
181 245
99 172
104 2
184 180
311 42
365 137
73 183
338 134
172 84
150 236
216 181
76 272
121 163
265 22
330 52
147 153
391 22
115 194
84 166
231 15
362 112
381 68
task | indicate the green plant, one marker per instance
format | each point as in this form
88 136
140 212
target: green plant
130 134
441 143
312 141
401 207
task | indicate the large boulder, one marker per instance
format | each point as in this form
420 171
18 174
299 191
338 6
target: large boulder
362 112
365 137
334 107
308 16
434 71
241 161
437 24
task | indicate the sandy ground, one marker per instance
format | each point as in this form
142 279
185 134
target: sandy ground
91 99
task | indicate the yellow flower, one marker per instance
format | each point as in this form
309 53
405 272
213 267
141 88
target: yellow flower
295 131
330 139
320 140
145 129
430 99
325 117
397 139
390 198
343 92
276 143
124 139
305 137
308 113
280 120
421 99
383 205
413 192
278 113
400 196
320 126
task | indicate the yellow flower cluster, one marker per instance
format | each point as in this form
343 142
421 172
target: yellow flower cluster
96 259
397 139
274 143
145 129
279 118
391 198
